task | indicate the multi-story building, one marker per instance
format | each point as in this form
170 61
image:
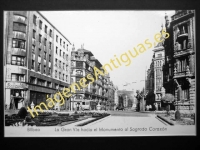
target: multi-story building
126 98
116 98
179 68
150 84
159 59
29 47
183 46
61 62
82 63
111 94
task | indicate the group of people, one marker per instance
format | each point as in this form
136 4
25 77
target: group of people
152 108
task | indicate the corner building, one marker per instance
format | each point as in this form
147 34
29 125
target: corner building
29 64
180 49
100 91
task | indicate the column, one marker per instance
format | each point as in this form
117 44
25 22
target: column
7 97
27 98
191 63
155 81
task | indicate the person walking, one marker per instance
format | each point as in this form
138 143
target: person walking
12 103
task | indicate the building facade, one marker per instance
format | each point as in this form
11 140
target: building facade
97 92
179 68
159 59
150 83
116 97
183 26
29 67
126 98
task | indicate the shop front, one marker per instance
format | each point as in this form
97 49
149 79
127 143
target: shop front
16 95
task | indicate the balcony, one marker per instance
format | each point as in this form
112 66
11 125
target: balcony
80 91
77 67
182 73
77 75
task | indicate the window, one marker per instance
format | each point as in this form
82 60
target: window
79 72
79 64
41 82
45 55
33 64
63 76
63 66
17 43
50 44
60 42
55 73
40 38
17 60
59 75
39 52
66 78
60 52
56 86
66 67
63 44
56 38
45 29
49 84
185 94
17 77
33 49
40 24
181 65
39 67
50 33
33 80
34 19
67 47
34 34
49 58
64 55
56 61
159 55
45 42
60 64
44 69
56 50
49 71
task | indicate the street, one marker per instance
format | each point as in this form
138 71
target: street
126 118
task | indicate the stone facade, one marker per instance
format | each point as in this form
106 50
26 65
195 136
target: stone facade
180 59
100 91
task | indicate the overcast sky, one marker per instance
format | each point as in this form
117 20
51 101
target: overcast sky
109 33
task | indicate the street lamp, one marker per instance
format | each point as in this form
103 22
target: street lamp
144 95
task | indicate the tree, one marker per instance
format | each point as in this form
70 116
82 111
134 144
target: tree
168 99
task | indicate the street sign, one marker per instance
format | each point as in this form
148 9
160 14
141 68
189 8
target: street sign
16 85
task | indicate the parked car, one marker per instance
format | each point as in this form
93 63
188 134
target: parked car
120 108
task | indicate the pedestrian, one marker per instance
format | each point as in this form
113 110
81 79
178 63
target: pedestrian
12 103
147 107
150 107
156 106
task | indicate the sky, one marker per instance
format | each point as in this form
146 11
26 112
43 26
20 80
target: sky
109 33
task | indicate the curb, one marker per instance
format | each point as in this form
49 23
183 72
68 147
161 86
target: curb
169 122
92 121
